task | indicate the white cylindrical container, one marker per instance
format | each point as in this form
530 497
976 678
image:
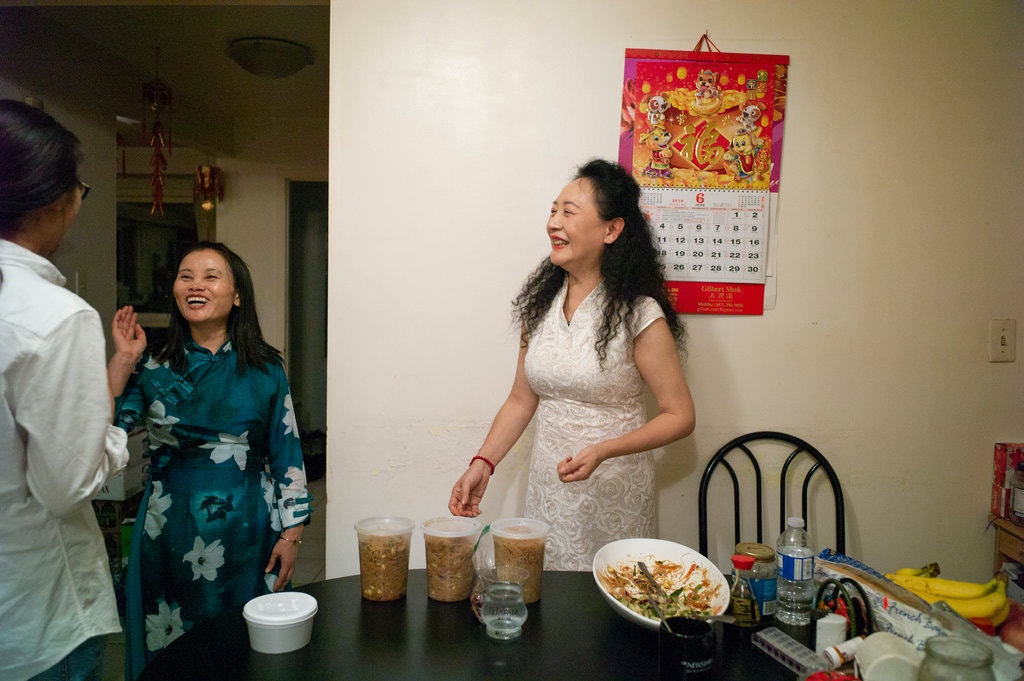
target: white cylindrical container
280 622
829 631
842 653
883 656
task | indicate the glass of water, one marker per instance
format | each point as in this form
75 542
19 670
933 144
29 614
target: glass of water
504 609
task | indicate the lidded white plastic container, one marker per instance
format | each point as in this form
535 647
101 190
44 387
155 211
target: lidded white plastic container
280 622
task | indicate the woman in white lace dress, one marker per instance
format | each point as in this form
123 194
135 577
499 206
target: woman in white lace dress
597 326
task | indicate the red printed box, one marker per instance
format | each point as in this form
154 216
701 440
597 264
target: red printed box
1002 501
1006 457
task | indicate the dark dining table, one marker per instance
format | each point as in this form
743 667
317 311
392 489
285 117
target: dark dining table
571 633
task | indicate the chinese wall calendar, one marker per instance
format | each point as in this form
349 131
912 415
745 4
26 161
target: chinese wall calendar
702 133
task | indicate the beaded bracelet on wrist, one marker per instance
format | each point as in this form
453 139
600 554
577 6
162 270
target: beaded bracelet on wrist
485 460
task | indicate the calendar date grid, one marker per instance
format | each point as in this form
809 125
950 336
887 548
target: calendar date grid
708 236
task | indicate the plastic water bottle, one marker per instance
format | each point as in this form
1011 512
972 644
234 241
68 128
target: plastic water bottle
795 561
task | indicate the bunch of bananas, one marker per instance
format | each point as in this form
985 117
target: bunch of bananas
971 600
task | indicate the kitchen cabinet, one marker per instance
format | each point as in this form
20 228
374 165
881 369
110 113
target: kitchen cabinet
1009 542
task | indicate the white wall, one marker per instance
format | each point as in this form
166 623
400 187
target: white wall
88 251
253 224
454 124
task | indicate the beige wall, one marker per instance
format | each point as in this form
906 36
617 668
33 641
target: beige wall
454 124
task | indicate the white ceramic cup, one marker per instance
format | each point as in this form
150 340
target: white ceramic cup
887 657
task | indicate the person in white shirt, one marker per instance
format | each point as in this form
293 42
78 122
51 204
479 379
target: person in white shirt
57 444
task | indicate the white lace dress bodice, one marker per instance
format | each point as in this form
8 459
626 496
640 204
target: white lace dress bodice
582 403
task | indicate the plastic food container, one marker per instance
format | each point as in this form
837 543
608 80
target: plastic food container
280 622
384 556
448 543
520 542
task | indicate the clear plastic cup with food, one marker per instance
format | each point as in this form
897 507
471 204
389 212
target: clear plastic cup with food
448 543
384 556
520 542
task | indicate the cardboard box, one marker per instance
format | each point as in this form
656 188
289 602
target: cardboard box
125 484
1002 501
1013 588
138 446
1005 458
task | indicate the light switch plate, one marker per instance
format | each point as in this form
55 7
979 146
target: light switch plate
1002 340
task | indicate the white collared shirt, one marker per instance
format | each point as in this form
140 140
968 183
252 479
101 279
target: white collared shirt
57 448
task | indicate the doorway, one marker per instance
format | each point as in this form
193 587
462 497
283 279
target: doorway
307 317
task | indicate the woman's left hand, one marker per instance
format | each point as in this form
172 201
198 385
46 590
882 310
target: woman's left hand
581 466
128 335
284 552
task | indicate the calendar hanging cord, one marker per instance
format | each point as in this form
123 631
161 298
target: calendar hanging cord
705 44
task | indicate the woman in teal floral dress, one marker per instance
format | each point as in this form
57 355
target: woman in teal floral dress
223 512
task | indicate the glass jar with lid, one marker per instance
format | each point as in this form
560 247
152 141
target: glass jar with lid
764 575
955 658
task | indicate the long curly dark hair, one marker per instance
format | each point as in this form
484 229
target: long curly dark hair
243 323
629 265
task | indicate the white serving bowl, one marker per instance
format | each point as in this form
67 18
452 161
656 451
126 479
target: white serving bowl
649 551
280 622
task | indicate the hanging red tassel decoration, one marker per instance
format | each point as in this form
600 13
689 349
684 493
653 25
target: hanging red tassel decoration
159 164
159 99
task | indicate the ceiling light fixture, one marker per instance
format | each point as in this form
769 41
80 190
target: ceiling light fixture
269 57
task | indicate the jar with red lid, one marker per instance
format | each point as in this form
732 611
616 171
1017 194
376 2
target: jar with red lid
764 575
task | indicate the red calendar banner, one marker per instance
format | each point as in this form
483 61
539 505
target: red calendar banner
710 298
702 133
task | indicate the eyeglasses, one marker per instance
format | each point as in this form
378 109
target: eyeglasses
85 189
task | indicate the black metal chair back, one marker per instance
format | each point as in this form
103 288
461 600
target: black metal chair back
743 446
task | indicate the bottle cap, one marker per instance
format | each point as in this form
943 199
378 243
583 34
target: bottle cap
741 562
795 522
762 553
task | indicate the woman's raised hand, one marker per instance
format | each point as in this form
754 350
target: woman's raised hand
129 337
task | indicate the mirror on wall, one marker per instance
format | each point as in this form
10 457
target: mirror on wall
150 245
149 248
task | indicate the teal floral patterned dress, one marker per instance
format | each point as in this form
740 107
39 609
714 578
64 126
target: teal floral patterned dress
225 478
